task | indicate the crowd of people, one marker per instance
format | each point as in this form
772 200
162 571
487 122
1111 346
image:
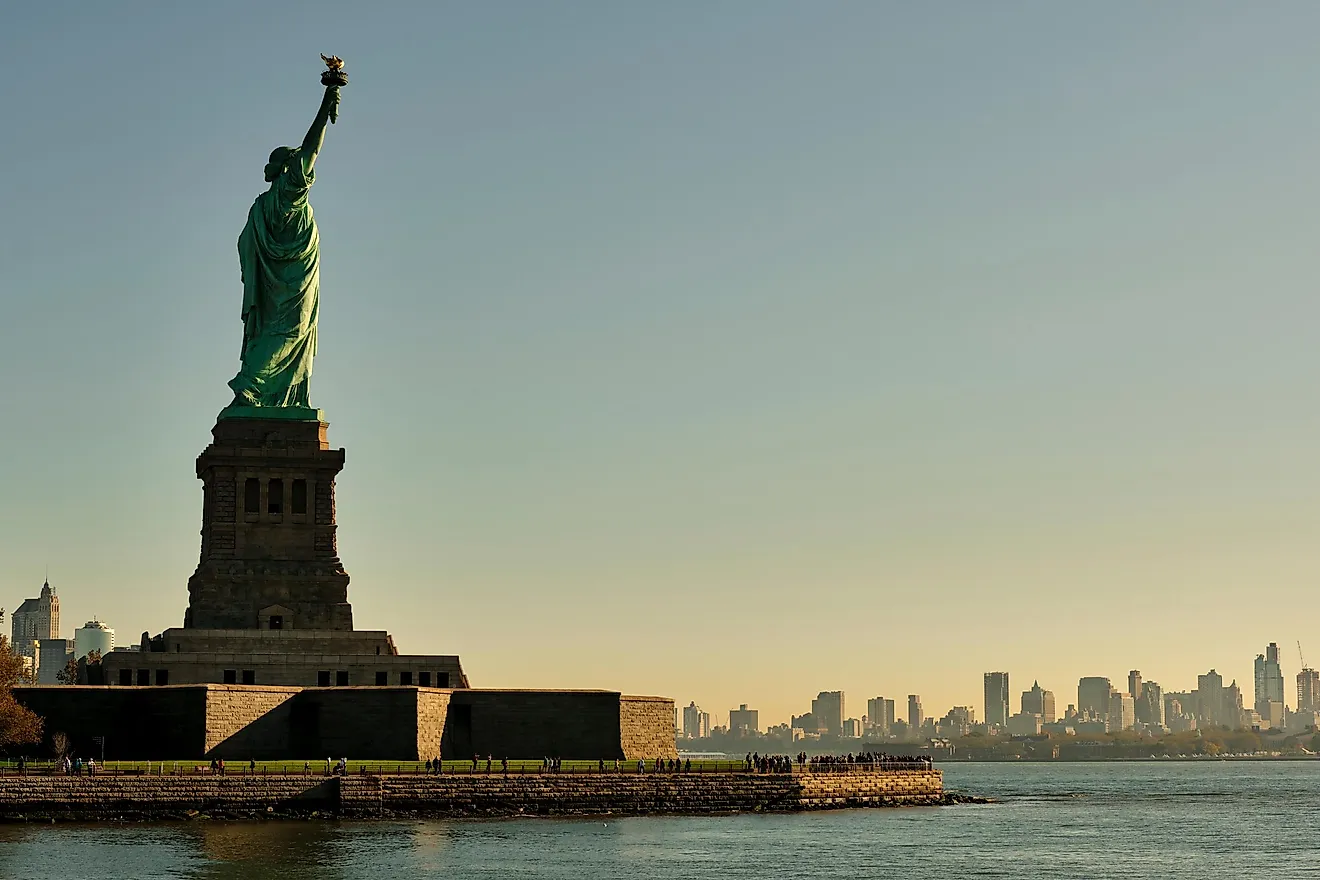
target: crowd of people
753 763
869 760
756 763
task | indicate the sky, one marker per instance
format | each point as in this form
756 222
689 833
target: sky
730 351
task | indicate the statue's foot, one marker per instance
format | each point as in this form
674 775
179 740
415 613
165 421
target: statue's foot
245 398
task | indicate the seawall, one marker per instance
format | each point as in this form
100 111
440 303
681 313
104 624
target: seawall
551 794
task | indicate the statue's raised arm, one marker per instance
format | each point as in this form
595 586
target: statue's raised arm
311 144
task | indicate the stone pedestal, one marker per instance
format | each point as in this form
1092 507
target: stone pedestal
269 558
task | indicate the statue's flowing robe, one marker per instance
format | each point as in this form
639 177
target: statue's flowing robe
279 252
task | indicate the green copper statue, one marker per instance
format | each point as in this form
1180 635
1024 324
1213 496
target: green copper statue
279 253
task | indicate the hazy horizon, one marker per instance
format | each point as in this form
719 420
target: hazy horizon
731 352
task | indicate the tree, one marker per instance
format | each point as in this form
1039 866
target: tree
69 674
19 725
60 744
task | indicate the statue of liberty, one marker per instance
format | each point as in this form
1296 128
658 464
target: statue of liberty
279 254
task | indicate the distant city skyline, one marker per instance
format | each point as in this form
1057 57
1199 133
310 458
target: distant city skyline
1214 701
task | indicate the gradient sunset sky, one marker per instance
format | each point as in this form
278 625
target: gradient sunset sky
730 351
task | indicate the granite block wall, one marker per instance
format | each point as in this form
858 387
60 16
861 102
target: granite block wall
646 727
253 722
248 722
533 724
108 797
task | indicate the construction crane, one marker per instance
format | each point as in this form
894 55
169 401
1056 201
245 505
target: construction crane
1299 654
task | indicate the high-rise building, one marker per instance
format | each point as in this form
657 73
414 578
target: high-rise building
1269 684
1134 684
93 636
692 720
880 715
996 698
828 710
1093 697
1308 690
1232 703
1122 712
806 723
915 718
1210 698
34 619
52 656
1150 704
1039 701
744 720
852 728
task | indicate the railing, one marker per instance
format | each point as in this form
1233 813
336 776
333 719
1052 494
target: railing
456 768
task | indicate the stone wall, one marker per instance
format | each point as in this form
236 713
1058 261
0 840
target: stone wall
139 797
356 723
891 787
533 724
106 797
248 722
284 658
432 711
243 722
646 727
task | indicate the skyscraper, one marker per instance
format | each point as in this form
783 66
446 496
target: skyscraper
1210 698
1308 690
93 636
1122 715
1134 684
1039 701
996 698
827 709
1093 697
1232 702
915 718
52 656
744 720
880 714
35 619
1150 704
1269 686
692 721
